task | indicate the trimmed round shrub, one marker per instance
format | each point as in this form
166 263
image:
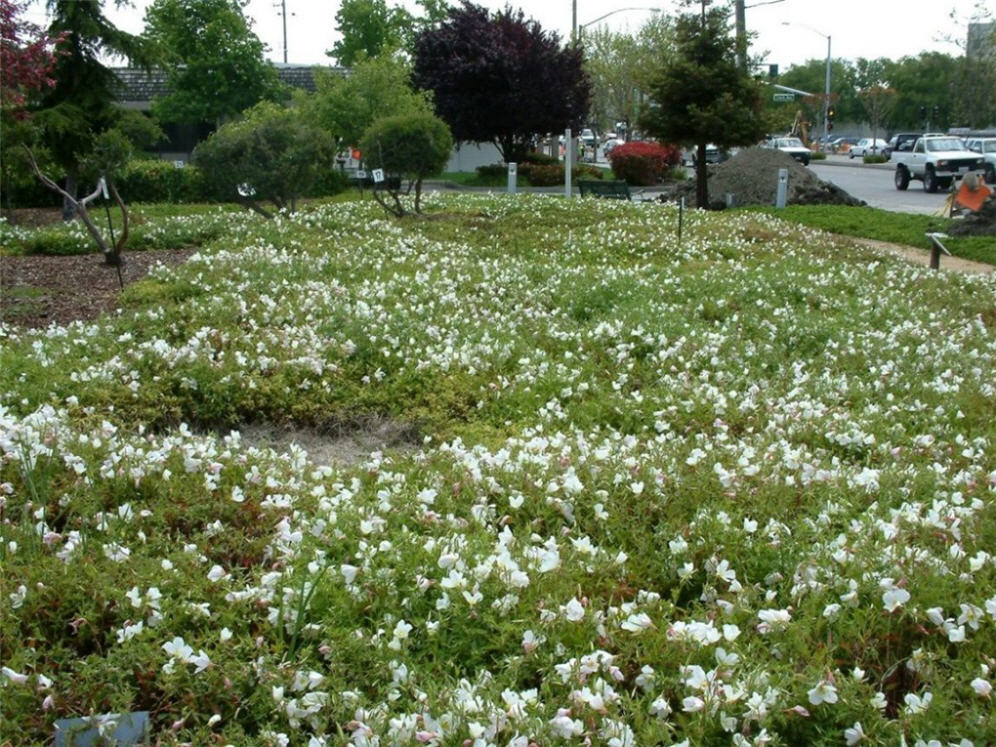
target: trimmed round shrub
643 164
552 175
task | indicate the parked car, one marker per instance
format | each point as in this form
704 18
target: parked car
689 156
609 144
843 144
901 142
792 146
987 147
867 146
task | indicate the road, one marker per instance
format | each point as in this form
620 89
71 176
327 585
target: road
874 185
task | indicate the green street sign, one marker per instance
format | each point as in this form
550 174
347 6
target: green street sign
784 97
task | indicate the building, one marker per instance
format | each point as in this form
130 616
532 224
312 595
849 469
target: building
140 87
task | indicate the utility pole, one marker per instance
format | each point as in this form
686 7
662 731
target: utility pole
741 23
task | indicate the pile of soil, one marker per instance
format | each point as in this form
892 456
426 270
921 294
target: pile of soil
979 223
751 177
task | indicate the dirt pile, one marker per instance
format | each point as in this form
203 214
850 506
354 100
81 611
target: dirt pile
979 223
751 177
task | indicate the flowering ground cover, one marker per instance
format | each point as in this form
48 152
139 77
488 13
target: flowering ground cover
733 490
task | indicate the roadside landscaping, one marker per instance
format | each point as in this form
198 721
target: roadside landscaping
616 486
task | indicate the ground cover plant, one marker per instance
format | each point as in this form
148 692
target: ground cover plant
884 225
736 489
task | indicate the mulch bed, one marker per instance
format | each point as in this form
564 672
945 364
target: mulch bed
37 291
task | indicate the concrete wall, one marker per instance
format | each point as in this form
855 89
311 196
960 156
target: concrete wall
466 157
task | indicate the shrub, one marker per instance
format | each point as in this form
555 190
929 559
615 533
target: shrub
161 181
410 145
493 170
272 154
874 159
818 155
550 175
643 164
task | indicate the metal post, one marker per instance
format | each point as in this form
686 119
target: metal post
512 169
826 102
782 195
568 161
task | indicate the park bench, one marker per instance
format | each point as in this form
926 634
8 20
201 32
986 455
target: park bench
614 190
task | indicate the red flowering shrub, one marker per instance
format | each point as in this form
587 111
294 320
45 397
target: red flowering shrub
643 164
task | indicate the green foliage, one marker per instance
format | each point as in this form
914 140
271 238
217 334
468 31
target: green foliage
215 62
377 87
873 158
273 153
161 181
367 29
82 103
622 493
619 65
411 146
701 95
884 225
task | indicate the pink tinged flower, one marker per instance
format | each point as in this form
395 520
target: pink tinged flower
893 599
982 687
692 704
426 736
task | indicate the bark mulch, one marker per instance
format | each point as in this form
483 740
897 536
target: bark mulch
37 291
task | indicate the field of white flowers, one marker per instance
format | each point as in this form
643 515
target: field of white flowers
733 490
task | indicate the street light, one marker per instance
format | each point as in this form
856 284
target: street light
576 28
826 98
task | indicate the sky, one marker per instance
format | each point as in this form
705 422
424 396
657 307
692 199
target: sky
857 28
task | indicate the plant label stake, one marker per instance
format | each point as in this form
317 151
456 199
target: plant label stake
681 216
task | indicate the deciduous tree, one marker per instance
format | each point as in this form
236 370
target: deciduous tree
376 87
27 57
214 60
500 78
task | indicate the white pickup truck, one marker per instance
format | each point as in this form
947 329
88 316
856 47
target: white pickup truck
935 160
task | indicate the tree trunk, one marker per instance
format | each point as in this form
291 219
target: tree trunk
418 195
69 198
701 183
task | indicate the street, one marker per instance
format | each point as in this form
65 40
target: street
873 184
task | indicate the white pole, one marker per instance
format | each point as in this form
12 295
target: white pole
826 103
568 161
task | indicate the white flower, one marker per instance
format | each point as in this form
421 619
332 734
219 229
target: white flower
893 599
637 623
982 687
854 734
916 704
216 573
225 636
574 611
179 649
824 692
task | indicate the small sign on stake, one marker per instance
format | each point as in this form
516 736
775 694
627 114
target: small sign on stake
103 188
378 175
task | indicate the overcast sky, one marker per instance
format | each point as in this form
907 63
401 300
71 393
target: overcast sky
858 28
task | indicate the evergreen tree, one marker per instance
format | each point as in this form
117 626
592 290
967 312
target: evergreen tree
701 95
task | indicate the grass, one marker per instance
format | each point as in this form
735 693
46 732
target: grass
884 225
652 492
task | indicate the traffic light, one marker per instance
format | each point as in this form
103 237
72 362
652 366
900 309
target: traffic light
937 111
831 113
772 71
923 112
